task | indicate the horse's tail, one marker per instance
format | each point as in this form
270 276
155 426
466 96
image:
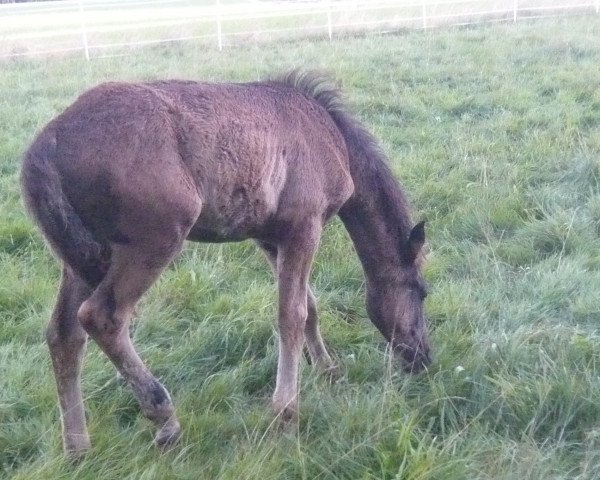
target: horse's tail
47 203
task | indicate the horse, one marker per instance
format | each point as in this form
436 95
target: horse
121 178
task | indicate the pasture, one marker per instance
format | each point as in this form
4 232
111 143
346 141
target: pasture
495 133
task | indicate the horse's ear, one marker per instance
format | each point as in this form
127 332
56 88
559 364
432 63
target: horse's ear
415 242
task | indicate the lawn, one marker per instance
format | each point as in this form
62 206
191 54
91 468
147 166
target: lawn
495 133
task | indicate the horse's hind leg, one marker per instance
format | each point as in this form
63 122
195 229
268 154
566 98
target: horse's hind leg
106 315
66 340
316 347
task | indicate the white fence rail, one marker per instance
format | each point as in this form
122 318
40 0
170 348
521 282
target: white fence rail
105 25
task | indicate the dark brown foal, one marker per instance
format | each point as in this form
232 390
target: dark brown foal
129 171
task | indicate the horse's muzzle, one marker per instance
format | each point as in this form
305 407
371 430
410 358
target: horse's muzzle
414 360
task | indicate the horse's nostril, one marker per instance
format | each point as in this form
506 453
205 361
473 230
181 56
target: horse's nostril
415 367
427 359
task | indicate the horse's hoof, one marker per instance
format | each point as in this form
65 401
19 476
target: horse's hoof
332 373
168 434
287 415
75 451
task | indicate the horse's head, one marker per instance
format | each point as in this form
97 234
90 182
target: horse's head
395 305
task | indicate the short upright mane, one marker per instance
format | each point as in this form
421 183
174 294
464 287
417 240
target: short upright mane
368 162
316 85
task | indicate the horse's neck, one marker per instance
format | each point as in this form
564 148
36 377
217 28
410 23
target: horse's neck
377 219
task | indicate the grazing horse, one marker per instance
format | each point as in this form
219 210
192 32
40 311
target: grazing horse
129 171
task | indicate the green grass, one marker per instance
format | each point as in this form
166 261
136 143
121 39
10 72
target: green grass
495 133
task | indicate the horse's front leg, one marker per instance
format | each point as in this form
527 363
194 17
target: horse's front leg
316 347
294 260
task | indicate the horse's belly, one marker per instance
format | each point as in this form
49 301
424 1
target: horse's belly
208 235
234 216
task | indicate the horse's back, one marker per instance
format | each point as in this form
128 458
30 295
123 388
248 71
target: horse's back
262 155
255 156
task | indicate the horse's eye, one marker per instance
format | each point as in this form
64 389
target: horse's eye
422 292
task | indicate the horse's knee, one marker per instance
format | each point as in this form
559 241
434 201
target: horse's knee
99 316
293 321
60 339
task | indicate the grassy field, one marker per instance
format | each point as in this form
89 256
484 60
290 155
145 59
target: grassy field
495 133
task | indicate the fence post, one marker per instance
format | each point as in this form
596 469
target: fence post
515 10
219 33
424 15
84 38
329 26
